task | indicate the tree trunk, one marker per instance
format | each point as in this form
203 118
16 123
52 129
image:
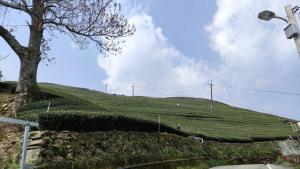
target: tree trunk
27 89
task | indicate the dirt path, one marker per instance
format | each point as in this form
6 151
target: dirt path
256 166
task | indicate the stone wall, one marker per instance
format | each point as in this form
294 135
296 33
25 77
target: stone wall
96 150
7 102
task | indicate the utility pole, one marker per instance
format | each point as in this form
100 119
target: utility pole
132 90
293 21
211 95
106 86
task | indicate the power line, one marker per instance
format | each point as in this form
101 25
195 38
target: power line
158 88
14 25
243 106
260 90
211 92
168 87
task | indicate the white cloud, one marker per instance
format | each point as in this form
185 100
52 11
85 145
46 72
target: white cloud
253 54
149 60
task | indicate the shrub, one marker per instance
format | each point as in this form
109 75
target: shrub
94 122
7 87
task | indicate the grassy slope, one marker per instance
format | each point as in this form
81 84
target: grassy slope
193 114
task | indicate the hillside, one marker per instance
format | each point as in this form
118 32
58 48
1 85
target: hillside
193 114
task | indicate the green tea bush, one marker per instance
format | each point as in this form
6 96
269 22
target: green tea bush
92 122
7 87
44 104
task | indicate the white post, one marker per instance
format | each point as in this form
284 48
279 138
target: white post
132 90
48 109
25 145
211 95
158 123
292 20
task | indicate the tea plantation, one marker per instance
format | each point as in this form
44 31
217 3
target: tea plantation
87 110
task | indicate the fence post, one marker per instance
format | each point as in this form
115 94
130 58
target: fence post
158 123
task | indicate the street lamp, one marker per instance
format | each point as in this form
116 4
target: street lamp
292 30
268 15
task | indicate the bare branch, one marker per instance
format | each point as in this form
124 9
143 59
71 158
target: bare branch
11 40
99 21
17 6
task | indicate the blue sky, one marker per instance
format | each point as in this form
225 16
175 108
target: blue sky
178 48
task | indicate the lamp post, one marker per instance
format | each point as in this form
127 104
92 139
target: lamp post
292 30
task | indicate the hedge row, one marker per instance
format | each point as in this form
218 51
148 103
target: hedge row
91 122
44 104
7 87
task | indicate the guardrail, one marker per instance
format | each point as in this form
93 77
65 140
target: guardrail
27 125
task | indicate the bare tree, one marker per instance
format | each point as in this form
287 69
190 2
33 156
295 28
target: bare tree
98 21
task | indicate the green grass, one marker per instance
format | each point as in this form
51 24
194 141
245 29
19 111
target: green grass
193 114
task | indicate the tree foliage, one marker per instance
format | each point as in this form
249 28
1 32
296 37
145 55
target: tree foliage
99 21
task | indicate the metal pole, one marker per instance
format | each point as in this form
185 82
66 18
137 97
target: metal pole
25 145
106 88
292 20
